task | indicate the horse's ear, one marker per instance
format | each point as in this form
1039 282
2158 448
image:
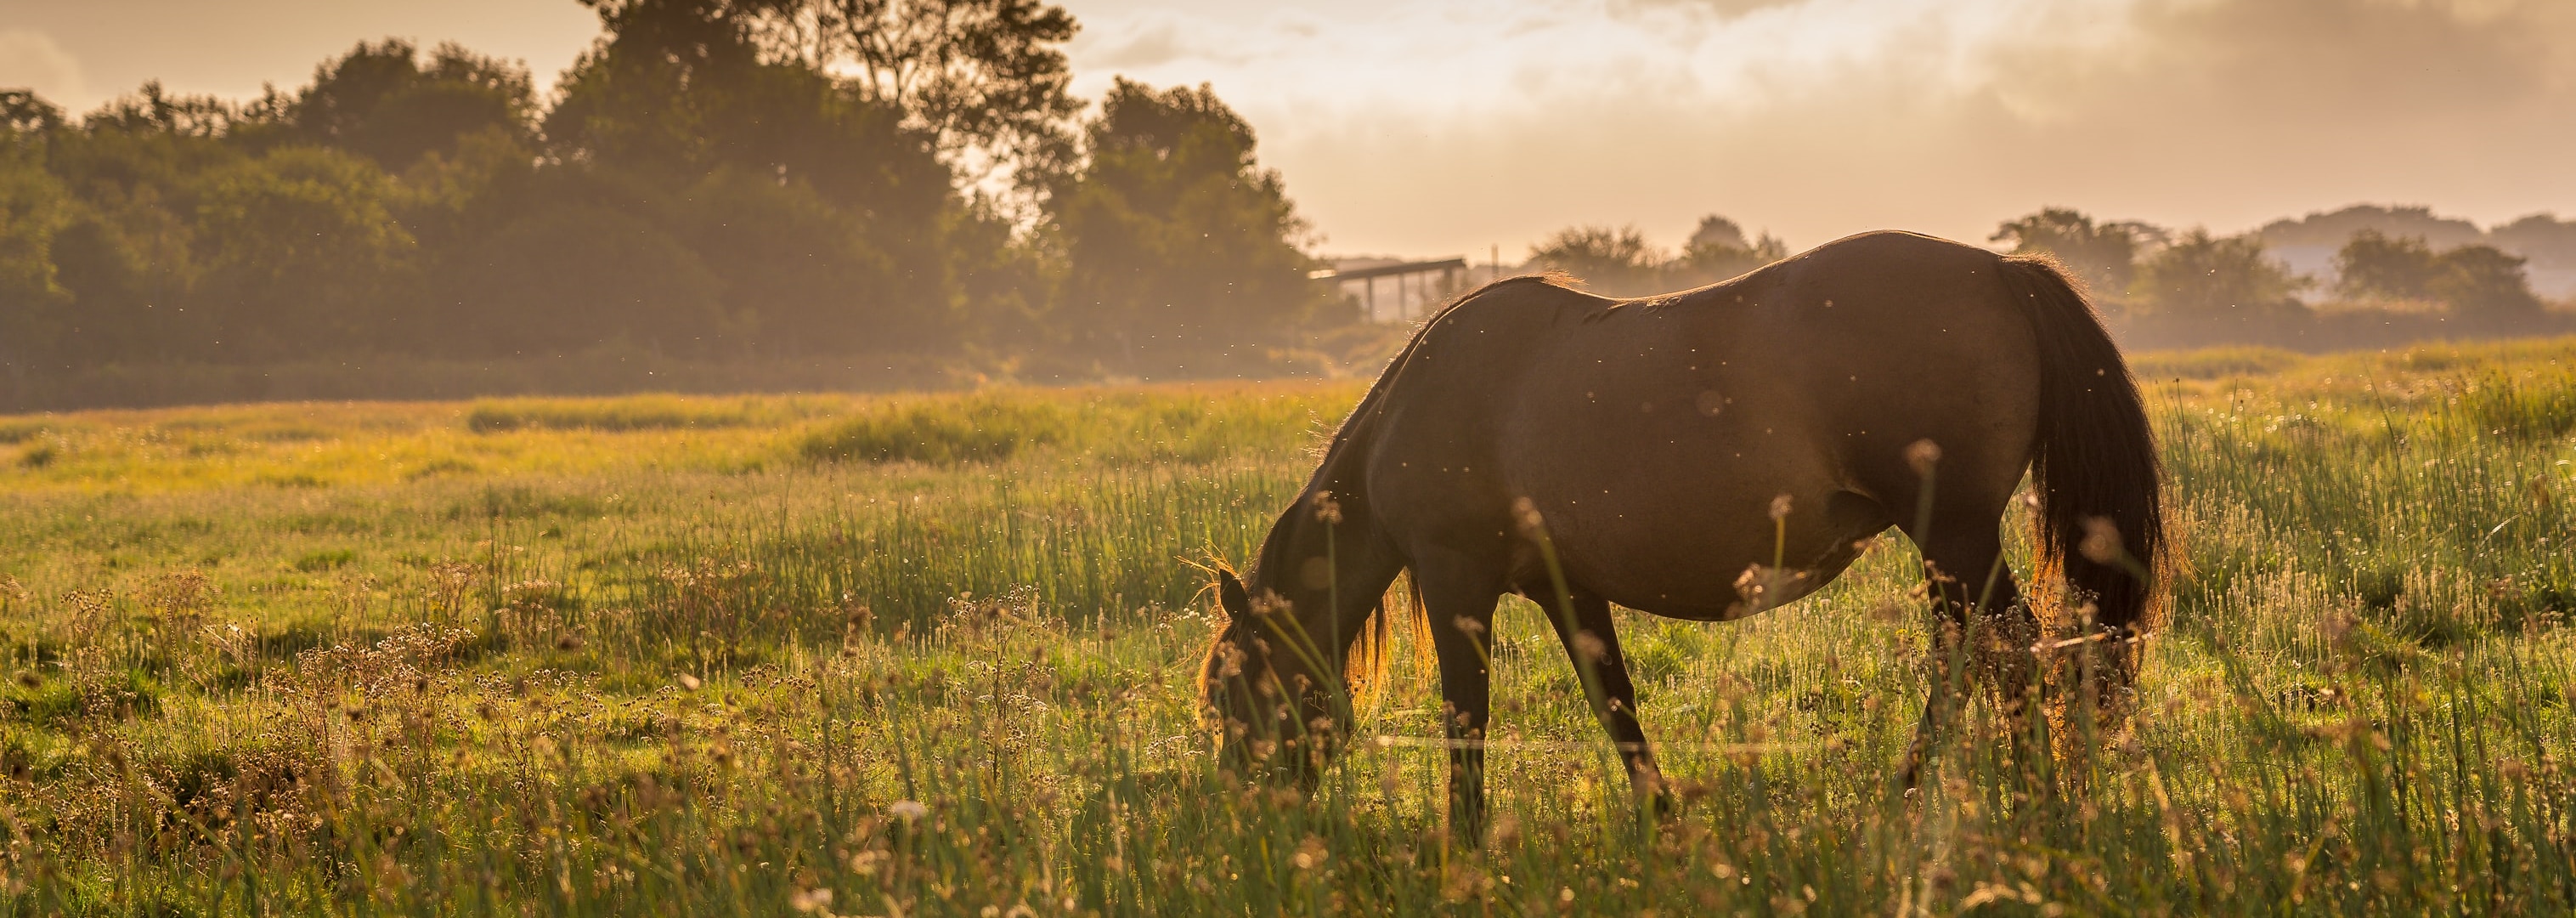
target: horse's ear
1230 593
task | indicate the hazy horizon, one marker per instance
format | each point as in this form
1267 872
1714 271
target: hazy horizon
1445 127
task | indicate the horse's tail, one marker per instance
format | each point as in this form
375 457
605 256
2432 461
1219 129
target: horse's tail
2101 513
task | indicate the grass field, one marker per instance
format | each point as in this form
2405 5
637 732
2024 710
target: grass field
931 655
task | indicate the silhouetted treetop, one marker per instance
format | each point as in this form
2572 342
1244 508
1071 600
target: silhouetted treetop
1177 241
2474 279
987 78
2204 275
1620 262
23 113
2103 255
380 101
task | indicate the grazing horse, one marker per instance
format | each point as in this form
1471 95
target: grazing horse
1701 455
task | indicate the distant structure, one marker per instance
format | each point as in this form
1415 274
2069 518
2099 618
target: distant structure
1395 290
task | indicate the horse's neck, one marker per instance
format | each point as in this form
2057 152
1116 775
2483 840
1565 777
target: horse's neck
1360 568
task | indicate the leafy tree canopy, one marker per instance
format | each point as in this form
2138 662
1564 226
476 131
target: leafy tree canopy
1620 262
986 78
2103 255
2472 279
1175 238
382 101
2205 275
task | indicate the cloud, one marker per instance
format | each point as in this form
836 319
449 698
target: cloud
1440 126
1154 45
2321 62
34 60
1714 7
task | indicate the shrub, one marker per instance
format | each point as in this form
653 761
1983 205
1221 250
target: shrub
649 412
976 429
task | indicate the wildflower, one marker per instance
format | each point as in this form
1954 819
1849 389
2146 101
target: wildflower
1311 853
2101 543
811 900
907 810
1922 455
1525 515
1327 510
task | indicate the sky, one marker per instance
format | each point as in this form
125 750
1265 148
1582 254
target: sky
1431 128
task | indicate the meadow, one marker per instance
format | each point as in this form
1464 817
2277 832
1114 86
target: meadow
933 655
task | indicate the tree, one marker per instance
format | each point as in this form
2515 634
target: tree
2103 255
153 109
34 209
575 276
1176 240
657 89
2204 275
1620 262
1717 232
1616 262
1717 251
2373 266
2482 280
801 276
822 215
2470 279
378 101
987 78
304 254
126 258
27 116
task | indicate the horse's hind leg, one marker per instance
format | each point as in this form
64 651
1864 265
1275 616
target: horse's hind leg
1458 595
1986 630
1592 642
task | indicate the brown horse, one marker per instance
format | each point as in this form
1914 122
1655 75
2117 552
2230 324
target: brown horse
1701 455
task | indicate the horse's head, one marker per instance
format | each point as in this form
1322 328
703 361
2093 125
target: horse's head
1267 689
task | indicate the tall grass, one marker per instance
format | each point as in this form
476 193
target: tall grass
714 669
1157 426
641 412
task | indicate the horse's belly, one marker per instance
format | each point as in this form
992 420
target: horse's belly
1708 553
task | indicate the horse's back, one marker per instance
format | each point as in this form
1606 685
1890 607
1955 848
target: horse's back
1838 358
1654 434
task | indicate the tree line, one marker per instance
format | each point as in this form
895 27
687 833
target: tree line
712 179
2139 269
2144 269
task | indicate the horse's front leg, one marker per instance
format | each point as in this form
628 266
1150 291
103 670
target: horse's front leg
1591 640
1458 596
